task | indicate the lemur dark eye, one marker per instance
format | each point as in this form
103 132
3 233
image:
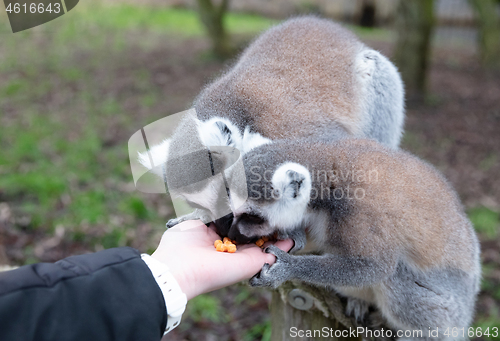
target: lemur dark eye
252 219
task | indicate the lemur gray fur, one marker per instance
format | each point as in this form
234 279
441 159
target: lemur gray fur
305 78
390 231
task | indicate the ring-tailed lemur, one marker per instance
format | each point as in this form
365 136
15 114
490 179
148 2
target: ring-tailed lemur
305 78
389 229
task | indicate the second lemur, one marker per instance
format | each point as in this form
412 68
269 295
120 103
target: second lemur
386 228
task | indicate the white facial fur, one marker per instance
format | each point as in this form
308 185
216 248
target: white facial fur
252 140
289 211
211 135
207 198
216 131
159 155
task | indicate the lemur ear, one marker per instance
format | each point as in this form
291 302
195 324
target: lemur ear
219 132
291 181
296 181
225 132
366 63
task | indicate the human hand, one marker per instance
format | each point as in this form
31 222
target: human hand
188 250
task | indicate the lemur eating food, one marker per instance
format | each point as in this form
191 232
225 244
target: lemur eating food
389 229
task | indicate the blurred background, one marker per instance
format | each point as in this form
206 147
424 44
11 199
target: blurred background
74 90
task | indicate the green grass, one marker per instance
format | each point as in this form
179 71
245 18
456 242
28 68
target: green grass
380 34
260 331
94 25
490 281
172 20
58 101
485 221
489 162
183 22
489 326
206 307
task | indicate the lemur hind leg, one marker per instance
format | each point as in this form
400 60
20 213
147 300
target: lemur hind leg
370 318
424 303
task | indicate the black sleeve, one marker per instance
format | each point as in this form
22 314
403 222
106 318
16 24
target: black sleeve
104 296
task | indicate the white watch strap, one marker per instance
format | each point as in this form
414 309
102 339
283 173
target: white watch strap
175 299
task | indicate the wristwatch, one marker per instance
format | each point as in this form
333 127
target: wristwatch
175 299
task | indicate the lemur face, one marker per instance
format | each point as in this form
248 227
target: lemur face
192 161
275 204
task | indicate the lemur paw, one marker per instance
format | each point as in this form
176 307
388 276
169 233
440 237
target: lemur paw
196 214
298 236
273 275
172 222
281 256
357 308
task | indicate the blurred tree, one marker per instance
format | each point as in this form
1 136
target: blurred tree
368 13
414 24
489 31
212 17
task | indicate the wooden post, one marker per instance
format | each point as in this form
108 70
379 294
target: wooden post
326 314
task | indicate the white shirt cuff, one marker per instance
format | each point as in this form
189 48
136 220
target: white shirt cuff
175 299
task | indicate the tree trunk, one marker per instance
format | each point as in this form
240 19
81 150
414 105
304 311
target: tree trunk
368 13
414 24
318 310
489 31
212 17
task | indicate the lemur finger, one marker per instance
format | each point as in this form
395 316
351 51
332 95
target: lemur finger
257 280
273 249
172 222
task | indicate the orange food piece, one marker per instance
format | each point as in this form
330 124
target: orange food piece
221 247
260 242
225 245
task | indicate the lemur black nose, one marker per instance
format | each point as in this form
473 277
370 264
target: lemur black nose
222 225
234 234
225 228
